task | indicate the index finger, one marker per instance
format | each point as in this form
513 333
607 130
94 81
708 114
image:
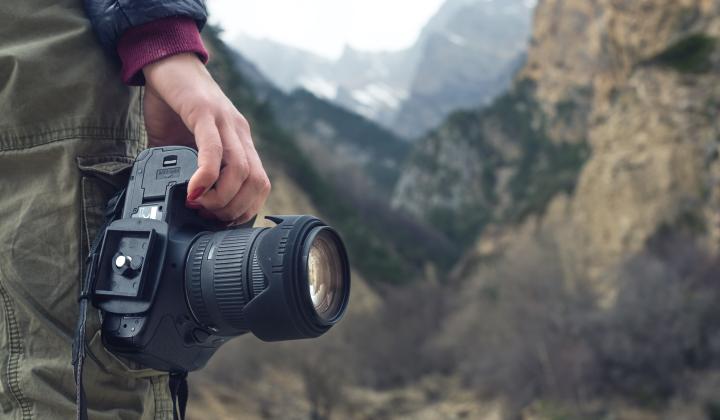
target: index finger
210 150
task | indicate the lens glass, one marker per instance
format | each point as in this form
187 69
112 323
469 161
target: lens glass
325 275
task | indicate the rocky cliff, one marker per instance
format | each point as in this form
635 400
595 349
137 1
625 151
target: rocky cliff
635 84
653 129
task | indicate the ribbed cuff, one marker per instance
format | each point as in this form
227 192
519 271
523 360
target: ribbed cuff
145 44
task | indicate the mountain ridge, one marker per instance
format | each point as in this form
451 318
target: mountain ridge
392 87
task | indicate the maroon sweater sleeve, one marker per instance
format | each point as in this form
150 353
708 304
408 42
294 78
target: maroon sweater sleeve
144 44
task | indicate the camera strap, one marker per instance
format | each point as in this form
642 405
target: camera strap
179 394
112 213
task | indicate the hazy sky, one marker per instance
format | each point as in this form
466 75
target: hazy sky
325 26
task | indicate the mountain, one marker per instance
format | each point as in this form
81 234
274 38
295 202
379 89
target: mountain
339 142
345 164
342 143
491 165
587 199
372 84
463 57
468 54
304 379
606 140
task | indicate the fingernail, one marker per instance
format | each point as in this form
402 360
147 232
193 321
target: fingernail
196 194
193 205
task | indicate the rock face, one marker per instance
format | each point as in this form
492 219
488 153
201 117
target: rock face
636 83
653 129
495 165
342 145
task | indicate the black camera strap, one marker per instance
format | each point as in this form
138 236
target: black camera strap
179 394
112 213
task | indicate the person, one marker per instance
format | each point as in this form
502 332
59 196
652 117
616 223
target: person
72 119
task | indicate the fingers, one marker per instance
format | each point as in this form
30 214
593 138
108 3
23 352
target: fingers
233 173
261 183
210 154
250 196
252 212
239 185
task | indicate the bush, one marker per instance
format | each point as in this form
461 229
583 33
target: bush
518 332
691 54
525 332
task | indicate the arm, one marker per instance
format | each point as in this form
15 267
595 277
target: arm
182 103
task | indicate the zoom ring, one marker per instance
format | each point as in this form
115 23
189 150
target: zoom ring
229 276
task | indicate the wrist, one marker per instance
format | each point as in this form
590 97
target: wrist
174 74
172 66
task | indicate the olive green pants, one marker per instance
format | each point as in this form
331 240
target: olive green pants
69 130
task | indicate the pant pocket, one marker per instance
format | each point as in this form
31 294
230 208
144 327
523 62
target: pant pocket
101 178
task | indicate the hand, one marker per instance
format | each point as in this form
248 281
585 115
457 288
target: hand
184 106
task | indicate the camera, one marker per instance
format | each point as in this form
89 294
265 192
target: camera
173 287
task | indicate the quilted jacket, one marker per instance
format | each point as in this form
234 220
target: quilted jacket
110 18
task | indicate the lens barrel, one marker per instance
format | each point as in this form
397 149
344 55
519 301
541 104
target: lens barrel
287 282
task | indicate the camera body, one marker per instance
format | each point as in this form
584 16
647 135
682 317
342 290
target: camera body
142 258
173 287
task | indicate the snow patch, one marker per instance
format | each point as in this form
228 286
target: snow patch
376 95
320 87
456 39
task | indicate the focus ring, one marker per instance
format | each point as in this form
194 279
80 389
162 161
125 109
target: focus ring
195 297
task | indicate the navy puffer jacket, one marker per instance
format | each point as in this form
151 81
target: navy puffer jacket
110 18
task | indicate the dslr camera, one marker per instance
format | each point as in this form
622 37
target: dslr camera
173 287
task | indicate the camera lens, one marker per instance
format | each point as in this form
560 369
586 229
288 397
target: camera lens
287 282
324 273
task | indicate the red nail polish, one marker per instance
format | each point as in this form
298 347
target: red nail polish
195 194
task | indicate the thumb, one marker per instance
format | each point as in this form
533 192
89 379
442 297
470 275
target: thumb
210 152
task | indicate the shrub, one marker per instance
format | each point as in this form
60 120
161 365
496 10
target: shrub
691 54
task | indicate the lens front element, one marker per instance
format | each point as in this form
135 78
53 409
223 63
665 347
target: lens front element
325 274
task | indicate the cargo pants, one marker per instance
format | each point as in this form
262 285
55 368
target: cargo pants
69 130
